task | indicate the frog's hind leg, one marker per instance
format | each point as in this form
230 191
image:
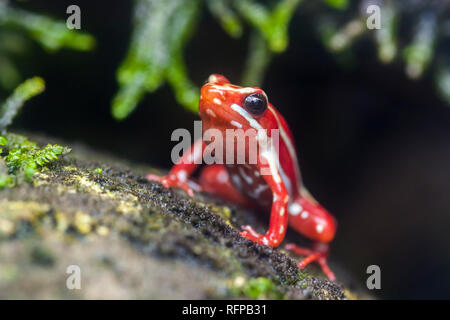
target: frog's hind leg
215 179
318 254
315 222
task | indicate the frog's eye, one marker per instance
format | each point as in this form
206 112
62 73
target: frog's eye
256 103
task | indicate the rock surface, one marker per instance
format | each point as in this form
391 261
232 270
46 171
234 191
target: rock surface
134 239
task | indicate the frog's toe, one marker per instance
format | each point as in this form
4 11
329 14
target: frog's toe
254 236
250 232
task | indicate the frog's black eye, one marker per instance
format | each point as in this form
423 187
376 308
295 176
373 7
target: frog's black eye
256 103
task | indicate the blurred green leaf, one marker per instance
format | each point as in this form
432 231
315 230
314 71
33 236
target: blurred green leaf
18 26
9 75
23 92
337 4
128 96
443 83
386 36
419 53
51 34
230 22
272 24
257 60
162 29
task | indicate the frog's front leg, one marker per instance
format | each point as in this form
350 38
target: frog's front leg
278 215
180 173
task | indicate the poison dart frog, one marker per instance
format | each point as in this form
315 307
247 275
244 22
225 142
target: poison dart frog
225 106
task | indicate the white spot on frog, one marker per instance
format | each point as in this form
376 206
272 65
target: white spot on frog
295 209
211 113
319 228
222 177
305 214
182 175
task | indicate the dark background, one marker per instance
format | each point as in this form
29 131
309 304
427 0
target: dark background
374 146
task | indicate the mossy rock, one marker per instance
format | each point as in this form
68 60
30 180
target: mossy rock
133 238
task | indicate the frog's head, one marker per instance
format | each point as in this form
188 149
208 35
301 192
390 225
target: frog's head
226 106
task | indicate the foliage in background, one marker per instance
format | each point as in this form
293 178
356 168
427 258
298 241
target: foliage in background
425 25
20 158
17 26
162 29
14 103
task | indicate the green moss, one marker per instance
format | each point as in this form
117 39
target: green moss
303 284
20 157
23 158
262 288
257 288
42 256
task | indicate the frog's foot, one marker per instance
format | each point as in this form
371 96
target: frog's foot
318 254
172 180
267 239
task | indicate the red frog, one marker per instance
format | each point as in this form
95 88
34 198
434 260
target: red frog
225 106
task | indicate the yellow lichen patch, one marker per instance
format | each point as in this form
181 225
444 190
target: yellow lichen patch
6 226
11 212
128 203
76 181
102 230
89 185
83 222
129 208
41 179
224 213
62 223
239 281
70 168
22 209
350 295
